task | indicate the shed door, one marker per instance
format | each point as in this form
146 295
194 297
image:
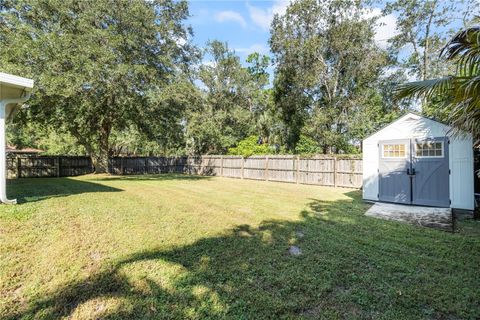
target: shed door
430 179
414 171
394 166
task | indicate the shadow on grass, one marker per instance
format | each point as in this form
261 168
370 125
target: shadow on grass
351 266
37 189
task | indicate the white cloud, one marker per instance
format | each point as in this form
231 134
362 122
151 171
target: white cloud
386 26
209 63
257 47
263 17
229 15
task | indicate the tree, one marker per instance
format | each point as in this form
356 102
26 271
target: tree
459 93
95 62
233 97
327 67
423 27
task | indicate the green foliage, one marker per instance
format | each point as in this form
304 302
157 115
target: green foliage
233 101
459 93
328 68
94 62
424 26
307 145
52 142
122 77
250 146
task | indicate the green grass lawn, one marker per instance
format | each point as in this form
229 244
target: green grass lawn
185 247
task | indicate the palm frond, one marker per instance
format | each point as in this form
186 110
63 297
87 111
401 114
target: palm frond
464 46
426 88
460 94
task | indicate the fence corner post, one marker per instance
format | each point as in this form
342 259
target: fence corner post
334 172
297 162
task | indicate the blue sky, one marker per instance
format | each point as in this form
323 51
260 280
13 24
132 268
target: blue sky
245 24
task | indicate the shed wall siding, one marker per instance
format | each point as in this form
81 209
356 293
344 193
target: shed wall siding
370 173
461 177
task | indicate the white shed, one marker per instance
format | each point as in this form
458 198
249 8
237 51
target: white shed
415 160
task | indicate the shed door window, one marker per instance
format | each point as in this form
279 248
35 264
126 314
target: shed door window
394 150
429 149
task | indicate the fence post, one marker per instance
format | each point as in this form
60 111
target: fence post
19 167
121 166
266 168
221 166
297 162
57 166
243 165
146 165
334 172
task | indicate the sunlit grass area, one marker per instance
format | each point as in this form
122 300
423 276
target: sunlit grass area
185 247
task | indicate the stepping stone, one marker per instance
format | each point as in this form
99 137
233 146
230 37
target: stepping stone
299 234
295 251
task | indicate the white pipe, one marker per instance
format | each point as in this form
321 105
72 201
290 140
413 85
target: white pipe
3 152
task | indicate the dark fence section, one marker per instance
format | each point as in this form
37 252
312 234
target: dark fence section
44 166
144 165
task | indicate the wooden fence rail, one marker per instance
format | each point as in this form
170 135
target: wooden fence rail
331 171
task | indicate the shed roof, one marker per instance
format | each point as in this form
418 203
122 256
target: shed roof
406 116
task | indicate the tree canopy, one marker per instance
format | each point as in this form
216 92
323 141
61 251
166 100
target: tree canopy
123 77
328 73
97 64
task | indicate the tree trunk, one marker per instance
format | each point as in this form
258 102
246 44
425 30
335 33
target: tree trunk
100 162
100 158
427 42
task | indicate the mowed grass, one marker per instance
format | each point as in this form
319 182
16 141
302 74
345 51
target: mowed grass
184 247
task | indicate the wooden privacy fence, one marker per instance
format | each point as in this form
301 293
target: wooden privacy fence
325 171
45 166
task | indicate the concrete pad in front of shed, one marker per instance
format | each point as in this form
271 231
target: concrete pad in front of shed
439 218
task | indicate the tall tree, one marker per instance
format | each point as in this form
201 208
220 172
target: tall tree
423 28
95 62
233 97
459 94
327 67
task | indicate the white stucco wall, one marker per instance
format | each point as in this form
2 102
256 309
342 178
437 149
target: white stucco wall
414 126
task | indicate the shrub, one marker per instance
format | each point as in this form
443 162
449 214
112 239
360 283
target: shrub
250 146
